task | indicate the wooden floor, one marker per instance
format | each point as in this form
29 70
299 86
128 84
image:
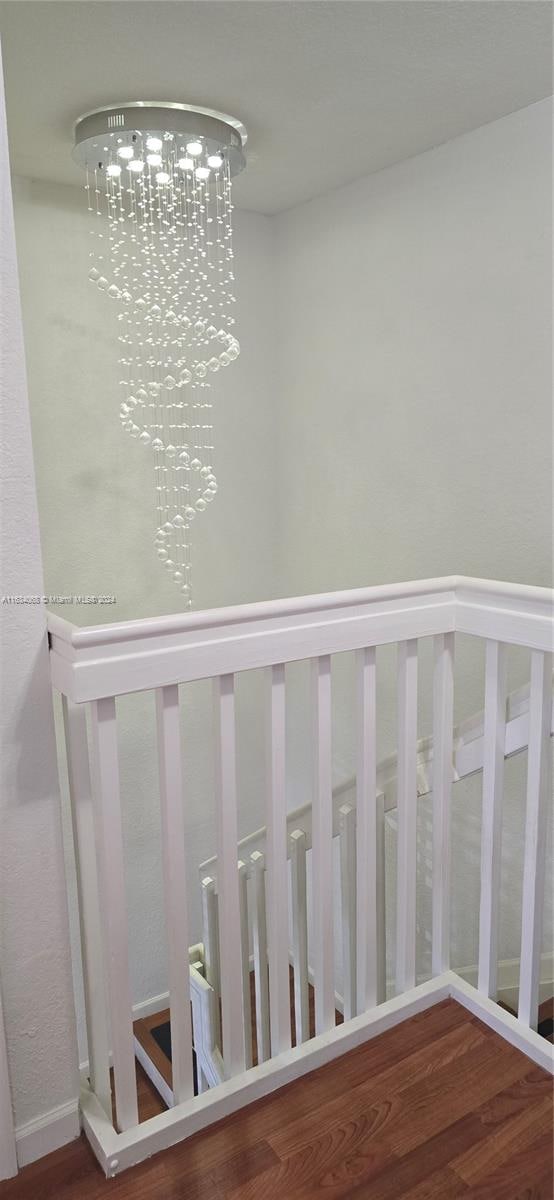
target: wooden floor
438 1107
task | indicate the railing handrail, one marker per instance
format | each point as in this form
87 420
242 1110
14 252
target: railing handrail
147 627
110 660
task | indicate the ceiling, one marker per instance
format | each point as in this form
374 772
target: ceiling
329 90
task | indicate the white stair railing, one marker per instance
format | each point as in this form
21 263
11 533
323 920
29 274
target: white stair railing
93 666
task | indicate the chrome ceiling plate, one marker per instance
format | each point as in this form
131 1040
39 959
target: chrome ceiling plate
100 134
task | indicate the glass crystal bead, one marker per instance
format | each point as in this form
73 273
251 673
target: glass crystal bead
213 364
200 370
169 382
114 292
171 450
200 505
102 283
178 576
145 437
178 521
94 275
224 359
205 472
196 464
168 527
184 458
185 376
189 513
162 553
157 444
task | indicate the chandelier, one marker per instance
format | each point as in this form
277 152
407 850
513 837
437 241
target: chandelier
158 182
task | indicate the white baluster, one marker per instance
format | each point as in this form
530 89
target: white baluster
407 817
113 905
322 846
494 741
234 1045
366 831
297 843
210 937
347 838
80 793
442 772
381 913
539 793
245 962
175 888
277 874
259 940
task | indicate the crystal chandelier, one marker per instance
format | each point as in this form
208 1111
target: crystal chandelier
158 181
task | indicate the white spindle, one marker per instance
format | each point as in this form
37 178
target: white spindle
297 843
347 839
210 936
366 831
539 792
234 1044
277 874
113 905
407 817
80 794
259 941
175 888
245 961
443 727
381 914
322 846
494 739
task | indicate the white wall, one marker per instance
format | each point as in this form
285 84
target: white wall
36 972
415 335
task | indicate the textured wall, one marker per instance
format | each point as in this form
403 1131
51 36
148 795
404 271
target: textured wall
35 967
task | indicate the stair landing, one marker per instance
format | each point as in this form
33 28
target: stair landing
439 1106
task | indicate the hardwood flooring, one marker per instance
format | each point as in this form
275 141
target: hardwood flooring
438 1107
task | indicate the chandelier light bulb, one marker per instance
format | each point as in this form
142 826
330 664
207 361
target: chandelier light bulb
163 255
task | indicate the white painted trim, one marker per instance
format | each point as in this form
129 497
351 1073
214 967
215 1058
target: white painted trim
44 1134
519 1035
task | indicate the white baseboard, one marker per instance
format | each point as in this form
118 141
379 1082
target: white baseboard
44 1134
